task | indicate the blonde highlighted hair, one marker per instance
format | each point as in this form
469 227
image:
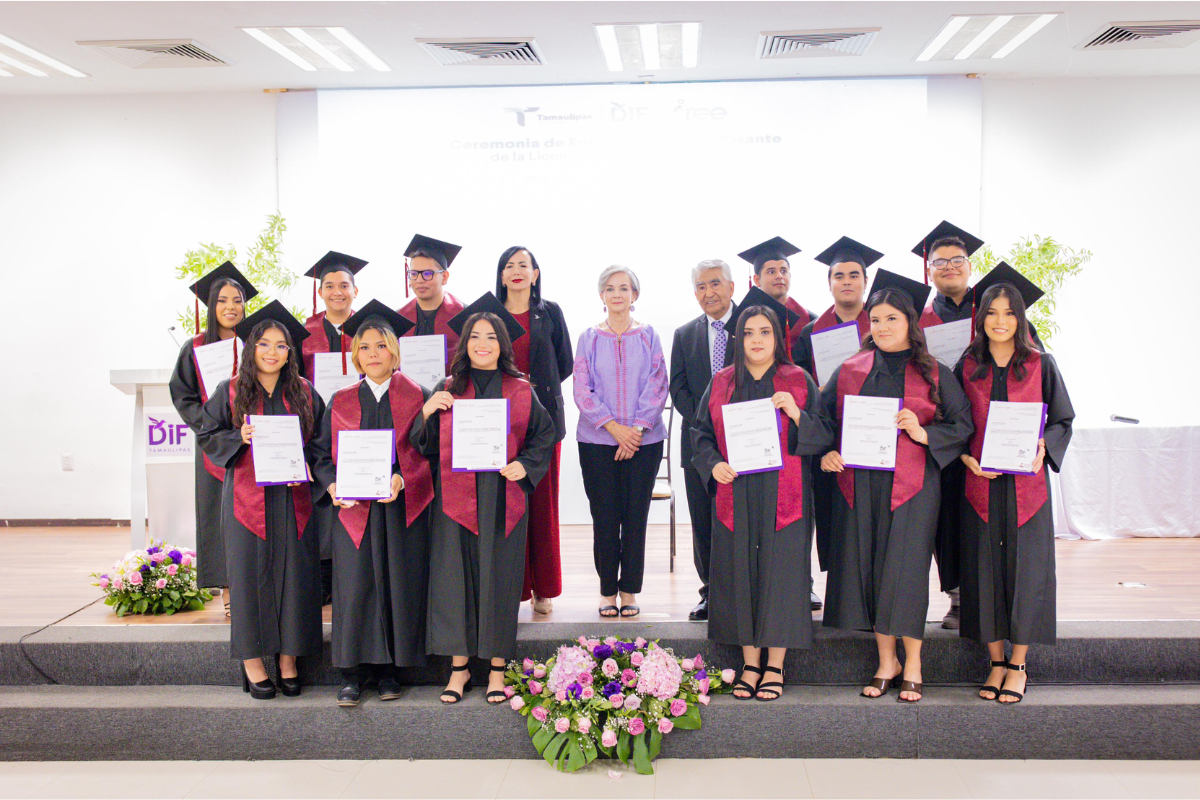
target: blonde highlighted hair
389 339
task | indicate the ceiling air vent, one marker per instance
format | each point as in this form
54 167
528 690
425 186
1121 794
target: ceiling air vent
483 52
807 44
1144 35
156 53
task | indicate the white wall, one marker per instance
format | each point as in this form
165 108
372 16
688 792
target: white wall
99 199
1112 166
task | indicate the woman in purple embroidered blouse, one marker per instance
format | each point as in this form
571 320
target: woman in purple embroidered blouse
621 389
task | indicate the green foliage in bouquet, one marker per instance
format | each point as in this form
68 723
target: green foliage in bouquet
158 580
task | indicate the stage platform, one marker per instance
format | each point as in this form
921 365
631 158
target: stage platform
77 683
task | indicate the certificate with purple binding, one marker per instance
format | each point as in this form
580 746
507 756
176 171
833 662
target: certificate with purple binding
1010 440
479 432
869 431
364 464
752 436
277 449
423 358
831 347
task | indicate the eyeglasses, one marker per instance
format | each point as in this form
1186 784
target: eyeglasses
944 263
266 347
426 274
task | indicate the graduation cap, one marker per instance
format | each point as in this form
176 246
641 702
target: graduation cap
774 249
487 302
943 230
274 310
846 250
377 312
919 292
203 287
332 261
435 247
1003 273
757 297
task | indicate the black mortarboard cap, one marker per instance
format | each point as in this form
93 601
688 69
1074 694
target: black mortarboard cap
334 261
757 297
943 230
380 313
846 249
277 311
434 246
487 302
919 292
774 249
202 287
1003 273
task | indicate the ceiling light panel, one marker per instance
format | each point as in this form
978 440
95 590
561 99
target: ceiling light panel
19 60
649 46
983 36
331 49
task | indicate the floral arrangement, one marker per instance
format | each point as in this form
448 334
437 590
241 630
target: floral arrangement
158 580
614 697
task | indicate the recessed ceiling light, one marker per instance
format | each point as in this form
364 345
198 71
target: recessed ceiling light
983 36
320 49
18 55
649 46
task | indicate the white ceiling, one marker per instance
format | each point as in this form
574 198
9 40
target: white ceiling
564 33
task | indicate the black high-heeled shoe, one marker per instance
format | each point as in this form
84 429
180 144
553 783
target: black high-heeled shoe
1011 692
289 686
995 690
774 689
453 695
496 696
741 685
259 691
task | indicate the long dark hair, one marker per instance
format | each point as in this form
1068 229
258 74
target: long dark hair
535 294
741 375
460 362
927 365
1022 341
212 328
250 391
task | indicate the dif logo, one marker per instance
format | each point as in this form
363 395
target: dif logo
168 437
163 433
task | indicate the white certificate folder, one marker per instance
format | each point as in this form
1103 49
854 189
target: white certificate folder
480 435
869 432
1010 441
752 436
277 450
364 464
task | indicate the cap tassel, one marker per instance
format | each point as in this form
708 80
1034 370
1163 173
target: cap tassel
342 348
406 279
315 282
925 258
233 371
197 315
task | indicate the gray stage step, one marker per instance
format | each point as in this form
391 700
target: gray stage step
199 722
1087 652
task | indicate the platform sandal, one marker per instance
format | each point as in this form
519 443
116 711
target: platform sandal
882 684
773 688
743 686
908 686
496 696
1011 692
453 695
987 687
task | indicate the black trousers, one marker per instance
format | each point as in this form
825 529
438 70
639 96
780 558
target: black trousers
700 508
364 673
619 494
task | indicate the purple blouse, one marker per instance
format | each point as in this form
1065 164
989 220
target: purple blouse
622 378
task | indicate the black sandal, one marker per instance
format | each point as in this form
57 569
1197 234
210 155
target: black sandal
605 609
741 684
496 696
633 611
769 686
909 686
995 690
1011 692
456 696
882 684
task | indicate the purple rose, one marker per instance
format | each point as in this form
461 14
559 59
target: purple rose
602 651
175 556
151 551
574 691
611 688
636 726
145 568
702 674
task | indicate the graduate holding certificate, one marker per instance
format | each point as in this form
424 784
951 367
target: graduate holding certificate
270 531
1008 582
479 519
884 520
204 361
380 544
762 517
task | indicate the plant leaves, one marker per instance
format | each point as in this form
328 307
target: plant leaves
554 748
655 743
533 726
541 738
641 756
623 747
574 757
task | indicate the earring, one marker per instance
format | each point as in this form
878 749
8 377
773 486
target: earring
632 307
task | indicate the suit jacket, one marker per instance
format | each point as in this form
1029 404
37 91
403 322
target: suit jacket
550 360
691 372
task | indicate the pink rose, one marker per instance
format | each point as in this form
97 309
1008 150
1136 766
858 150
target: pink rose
633 702
187 561
608 738
639 643
629 677
509 691
588 693
540 713
592 644
172 569
583 641
665 725
562 724
678 707
610 640
535 687
727 676
539 671
687 664
636 659
704 684
610 668
118 584
161 583
586 679
636 726
703 699
698 661
561 695
617 700
527 664
158 557
517 703
136 579
585 725
104 583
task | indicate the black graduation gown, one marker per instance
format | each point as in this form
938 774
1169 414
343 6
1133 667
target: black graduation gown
210 541
275 583
323 508
878 558
758 591
379 587
1008 582
475 581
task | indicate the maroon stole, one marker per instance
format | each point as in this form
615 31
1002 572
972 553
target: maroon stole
793 333
1031 489
441 320
249 499
318 342
929 319
909 478
789 497
458 488
406 401
197 341
829 319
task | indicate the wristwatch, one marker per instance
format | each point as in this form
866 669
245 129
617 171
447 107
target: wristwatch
639 428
